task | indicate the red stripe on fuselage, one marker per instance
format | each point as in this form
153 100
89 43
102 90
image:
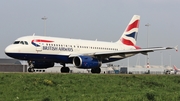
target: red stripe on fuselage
135 24
40 40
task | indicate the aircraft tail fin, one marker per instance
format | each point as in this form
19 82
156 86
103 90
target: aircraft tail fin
175 68
129 36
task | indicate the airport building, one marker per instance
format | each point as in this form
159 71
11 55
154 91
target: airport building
12 65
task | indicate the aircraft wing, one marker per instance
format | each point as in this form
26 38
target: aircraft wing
123 52
142 51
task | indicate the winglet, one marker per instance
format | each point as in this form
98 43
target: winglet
176 48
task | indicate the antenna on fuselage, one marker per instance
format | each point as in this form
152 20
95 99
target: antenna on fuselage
33 34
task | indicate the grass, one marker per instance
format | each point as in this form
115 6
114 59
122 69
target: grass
88 87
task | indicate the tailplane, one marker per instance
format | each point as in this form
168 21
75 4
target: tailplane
129 36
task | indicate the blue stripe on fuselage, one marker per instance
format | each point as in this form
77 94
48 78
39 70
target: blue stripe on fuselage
49 57
40 57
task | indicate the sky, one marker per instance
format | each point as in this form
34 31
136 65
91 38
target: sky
104 20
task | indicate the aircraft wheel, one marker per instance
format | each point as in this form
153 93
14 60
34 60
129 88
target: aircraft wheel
65 70
96 70
30 69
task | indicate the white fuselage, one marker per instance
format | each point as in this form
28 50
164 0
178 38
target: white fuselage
40 46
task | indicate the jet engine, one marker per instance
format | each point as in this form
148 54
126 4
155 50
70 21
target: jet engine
86 62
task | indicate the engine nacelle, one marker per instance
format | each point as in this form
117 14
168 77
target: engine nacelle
86 62
38 64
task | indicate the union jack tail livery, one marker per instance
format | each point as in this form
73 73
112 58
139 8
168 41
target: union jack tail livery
176 69
129 36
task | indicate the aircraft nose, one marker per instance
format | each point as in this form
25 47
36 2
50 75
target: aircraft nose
9 49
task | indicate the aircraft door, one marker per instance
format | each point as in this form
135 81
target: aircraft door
39 48
38 44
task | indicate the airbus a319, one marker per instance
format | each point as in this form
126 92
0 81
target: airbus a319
44 51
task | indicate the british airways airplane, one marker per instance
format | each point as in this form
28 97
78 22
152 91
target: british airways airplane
43 51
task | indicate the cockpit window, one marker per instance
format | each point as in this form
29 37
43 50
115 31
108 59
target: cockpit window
22 42
26 42
16 42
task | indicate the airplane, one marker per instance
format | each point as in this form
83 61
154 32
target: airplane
44 51
173 70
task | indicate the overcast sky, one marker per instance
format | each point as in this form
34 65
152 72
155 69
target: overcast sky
103 20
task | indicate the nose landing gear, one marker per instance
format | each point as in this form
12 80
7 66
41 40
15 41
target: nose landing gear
31 66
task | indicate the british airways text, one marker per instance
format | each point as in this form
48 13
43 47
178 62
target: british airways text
53 48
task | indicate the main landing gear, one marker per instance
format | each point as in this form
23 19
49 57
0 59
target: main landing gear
96 70
31 66
64 69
